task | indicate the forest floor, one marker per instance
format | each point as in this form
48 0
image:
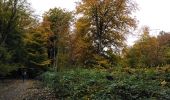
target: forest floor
16 89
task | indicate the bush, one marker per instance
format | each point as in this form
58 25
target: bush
6 69
93 84
6 65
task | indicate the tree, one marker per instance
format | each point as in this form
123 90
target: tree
15 18
59 22
80 43
110 20
149 51
164 44
105 24
36 48
5 58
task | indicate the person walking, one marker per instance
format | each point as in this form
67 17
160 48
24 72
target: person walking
24 74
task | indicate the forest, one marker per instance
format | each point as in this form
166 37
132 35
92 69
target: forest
83 54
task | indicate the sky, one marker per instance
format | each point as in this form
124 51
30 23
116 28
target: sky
40 6
152 13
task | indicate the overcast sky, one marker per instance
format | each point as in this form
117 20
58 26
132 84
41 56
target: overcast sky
153 13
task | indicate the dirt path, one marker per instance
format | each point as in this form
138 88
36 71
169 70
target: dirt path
28 90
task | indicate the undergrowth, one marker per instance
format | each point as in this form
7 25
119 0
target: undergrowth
124 84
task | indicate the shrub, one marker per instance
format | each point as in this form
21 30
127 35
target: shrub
93 84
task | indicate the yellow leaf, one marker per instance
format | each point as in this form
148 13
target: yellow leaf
163 83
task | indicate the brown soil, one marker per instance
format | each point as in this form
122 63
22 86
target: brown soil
28 90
